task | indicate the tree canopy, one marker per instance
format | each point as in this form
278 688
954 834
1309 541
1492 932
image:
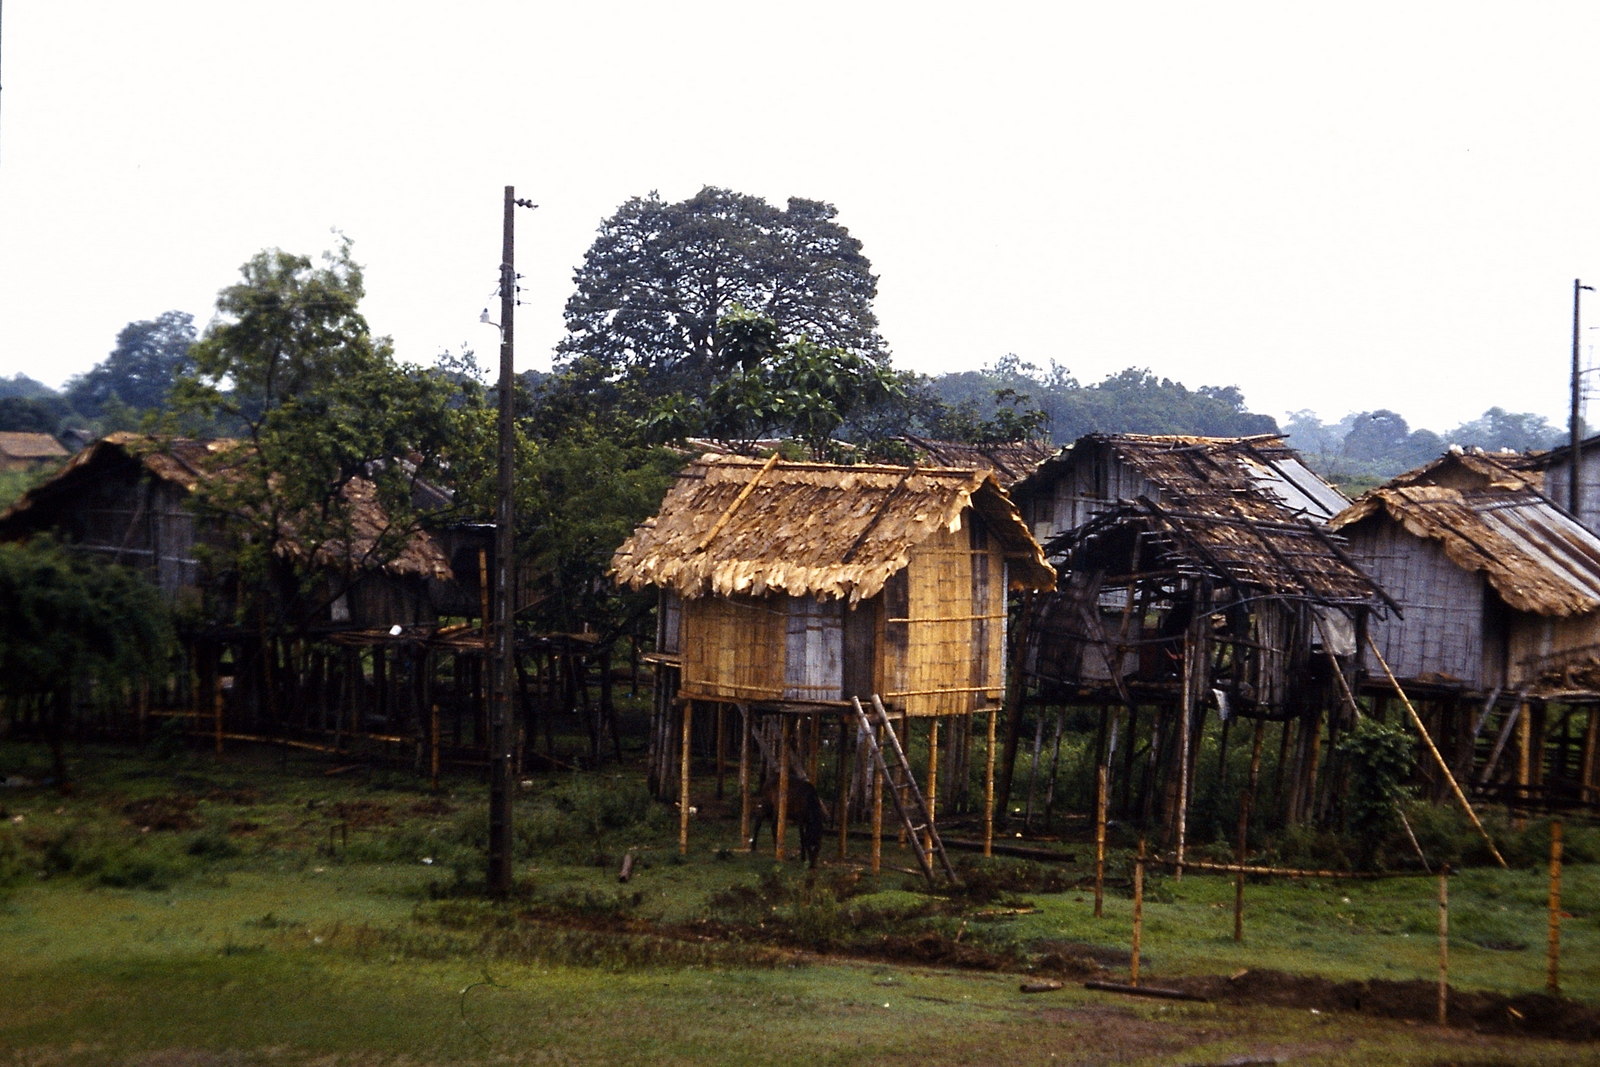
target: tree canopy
660 276
292 369
149 356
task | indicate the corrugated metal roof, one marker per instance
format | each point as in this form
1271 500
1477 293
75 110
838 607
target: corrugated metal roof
1534 555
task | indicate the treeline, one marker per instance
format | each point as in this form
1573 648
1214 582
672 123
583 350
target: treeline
1362 448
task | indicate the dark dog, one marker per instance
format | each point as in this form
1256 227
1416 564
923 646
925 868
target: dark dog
804 809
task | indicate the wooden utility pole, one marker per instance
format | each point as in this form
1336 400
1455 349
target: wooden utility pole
503 669
1575 419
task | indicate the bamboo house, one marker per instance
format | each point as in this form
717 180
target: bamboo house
1200 583
789 588
1499 639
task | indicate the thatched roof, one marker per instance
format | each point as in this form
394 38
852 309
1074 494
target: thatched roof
1011 461
738 525
1206 474
1248 545
30 446
1534 555
186 464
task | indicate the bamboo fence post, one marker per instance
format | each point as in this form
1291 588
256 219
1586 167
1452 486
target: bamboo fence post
1444 768
1100 782
988 786
1553 969
683 780
1138 914
1444 943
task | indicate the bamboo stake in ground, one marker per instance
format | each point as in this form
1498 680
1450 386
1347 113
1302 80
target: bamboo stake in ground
1552 980
1444 768
1138 914
1444 944
1099 841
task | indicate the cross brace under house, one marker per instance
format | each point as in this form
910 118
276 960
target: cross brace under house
894 771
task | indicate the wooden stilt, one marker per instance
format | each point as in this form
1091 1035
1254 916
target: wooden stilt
745 727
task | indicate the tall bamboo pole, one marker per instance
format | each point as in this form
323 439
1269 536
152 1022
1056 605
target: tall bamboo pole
1553 968
1416 720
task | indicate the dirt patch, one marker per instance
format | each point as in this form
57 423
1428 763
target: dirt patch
174 812
1525 1014
362 814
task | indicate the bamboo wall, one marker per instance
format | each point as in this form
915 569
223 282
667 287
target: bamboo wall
932 643
1442 631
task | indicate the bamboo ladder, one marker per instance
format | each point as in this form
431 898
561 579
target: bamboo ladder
909 803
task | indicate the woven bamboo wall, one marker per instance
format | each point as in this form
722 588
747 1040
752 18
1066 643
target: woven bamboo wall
733 647
1442 630
943 648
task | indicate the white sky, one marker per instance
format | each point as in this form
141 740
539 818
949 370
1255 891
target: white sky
1332 206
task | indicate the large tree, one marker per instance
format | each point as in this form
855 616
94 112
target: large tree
660 276
293 370
140 370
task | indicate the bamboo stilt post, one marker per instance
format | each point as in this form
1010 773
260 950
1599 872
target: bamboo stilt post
1591 733
1444 944
744 775
932 794
1246 803
722 719
1100 788
1552 980
785 733
841 812
878 784
988 785
1416 720
1138 915
433 747
683 780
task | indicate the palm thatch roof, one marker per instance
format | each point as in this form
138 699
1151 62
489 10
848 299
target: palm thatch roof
735 525
1011 461
187 464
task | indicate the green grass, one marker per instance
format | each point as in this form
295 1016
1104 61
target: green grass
198 911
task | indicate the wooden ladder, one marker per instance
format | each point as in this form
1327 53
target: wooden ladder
894 771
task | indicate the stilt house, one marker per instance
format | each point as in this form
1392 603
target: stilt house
1198 578
1500 591
809 584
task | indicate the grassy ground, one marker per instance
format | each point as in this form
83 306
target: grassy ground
199 911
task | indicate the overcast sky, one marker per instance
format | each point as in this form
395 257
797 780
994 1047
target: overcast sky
1332 206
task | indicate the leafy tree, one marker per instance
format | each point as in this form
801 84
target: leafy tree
1498 429
1380 758
149 356
292 368
660 276
67 620
37 414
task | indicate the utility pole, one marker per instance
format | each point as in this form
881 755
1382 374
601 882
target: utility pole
1575 420
503 669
